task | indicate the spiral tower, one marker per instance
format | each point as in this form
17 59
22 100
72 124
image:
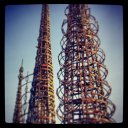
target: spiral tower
83 91
42 102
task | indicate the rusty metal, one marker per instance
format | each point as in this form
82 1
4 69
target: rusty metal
18 104
83 90
21 107
42 101
25 97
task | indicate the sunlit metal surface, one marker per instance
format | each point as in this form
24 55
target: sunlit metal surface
40 108
42 101
83 92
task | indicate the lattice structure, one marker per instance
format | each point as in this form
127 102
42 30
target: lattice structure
42 104
83 90
23 93
18 106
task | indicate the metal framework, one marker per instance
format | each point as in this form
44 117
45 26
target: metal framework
42 101
83 90
21 106
18 104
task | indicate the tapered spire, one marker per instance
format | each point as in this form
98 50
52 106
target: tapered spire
18 105
42 101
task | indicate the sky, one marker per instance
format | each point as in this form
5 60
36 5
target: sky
22 24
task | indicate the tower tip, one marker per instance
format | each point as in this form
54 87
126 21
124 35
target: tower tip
21 67
22 63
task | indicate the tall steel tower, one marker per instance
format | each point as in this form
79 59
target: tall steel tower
42 102
83 90
18 106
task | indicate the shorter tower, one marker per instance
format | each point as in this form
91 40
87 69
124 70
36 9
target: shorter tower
18 105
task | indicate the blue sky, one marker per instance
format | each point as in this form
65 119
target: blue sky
22 24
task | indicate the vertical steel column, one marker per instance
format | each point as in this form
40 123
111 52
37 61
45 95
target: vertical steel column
83 90
42 101
18 106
